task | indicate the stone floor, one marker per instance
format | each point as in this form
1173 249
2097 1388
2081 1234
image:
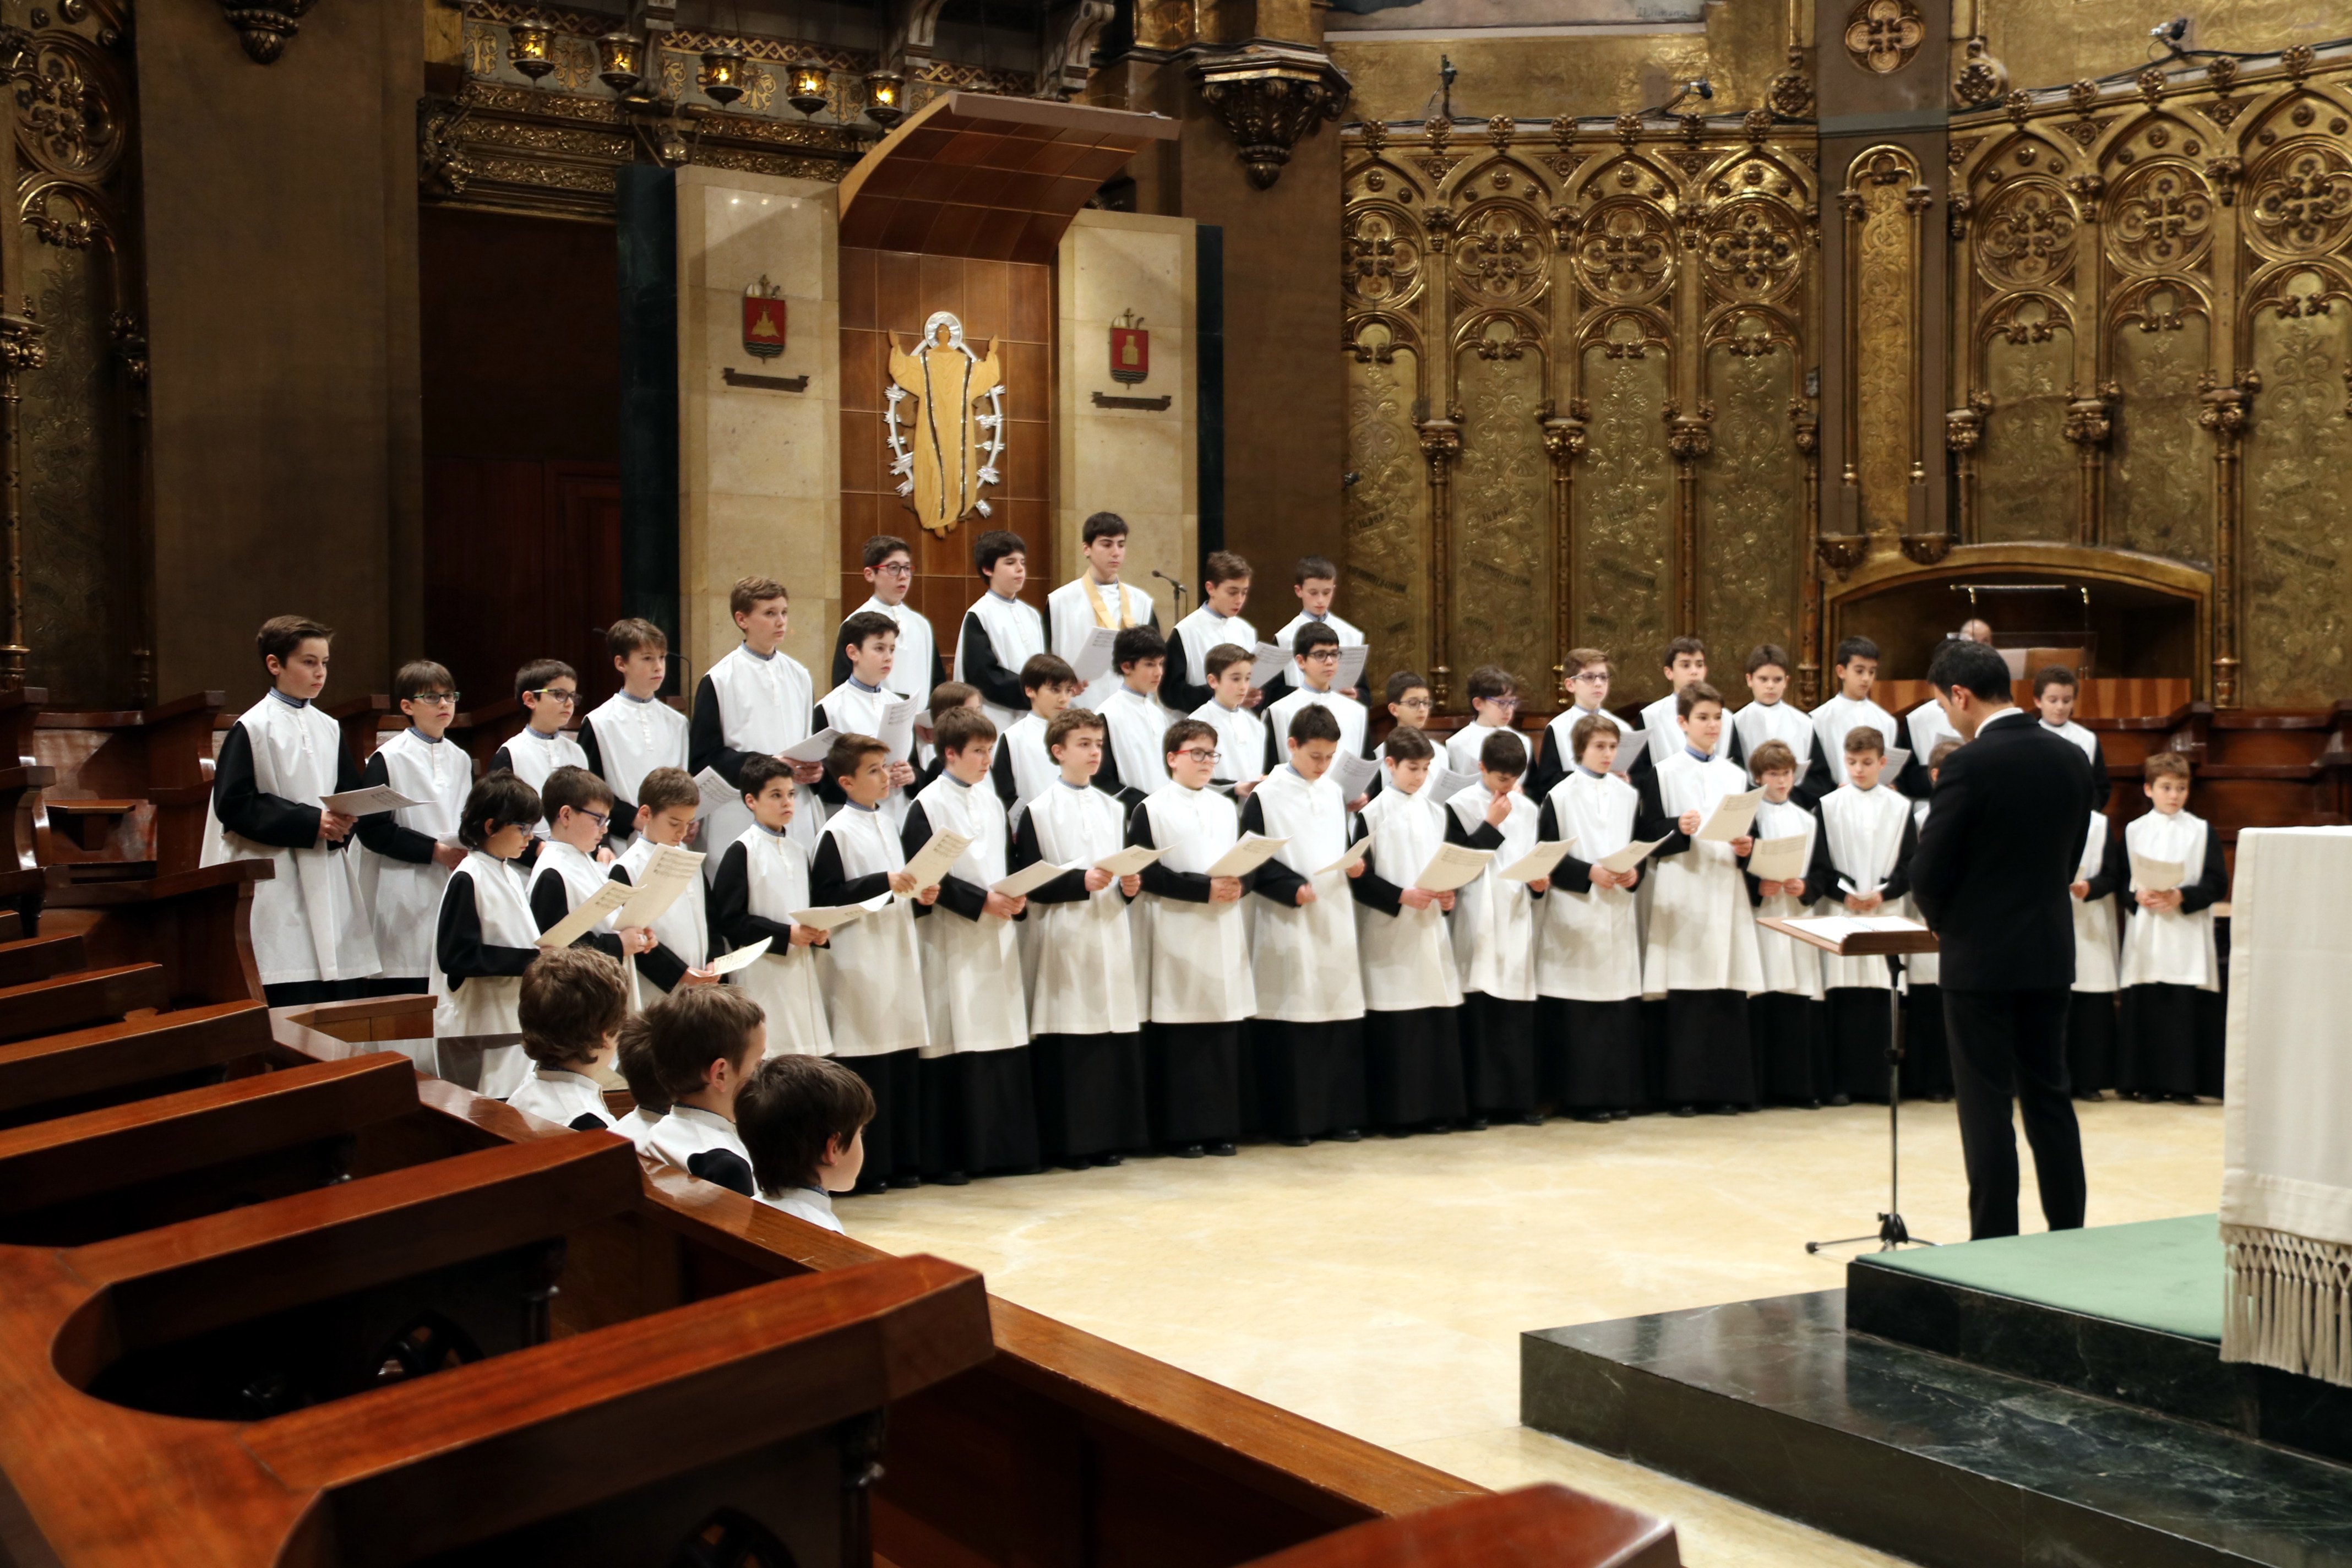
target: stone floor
1381 1287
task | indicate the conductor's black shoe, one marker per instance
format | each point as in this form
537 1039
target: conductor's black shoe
1686 1110
1812 1105
1223 1149
1295 1142
1347 1135
2089 1095
872 1188
1531 1119
1110 1157
952 1179
1441 1125
1189 1152
1841 1100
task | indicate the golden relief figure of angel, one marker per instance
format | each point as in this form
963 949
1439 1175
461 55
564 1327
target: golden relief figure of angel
942 448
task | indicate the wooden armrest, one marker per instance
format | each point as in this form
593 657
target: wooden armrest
168 1285
89 1061
1540 1527
425 1467
38 958
79 999
104 1151
55 807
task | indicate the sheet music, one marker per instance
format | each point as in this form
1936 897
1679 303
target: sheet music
1633 854
1352 666
1453 865
812 749
931 862
1091 659
1353 774
1780 860
1628 748
1356 852
716 791
1029 879
1730 819
1253 851
590 914
1897 757
741 958
833 917
1445 783
1839 928
899 728
2156 876
366 802
1128 861
1267 662
1537 863
670 873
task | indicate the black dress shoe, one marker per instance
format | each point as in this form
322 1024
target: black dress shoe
1347 1135
1531 1119
1941 1096
1223 1149
1812 1105
1686 1110
1441 1125
1077 1162
2184 1100
872 1189
1295 1142
1110 1157
1726 1110
1475 1124
1621 1113
1841 1100
952 1179
1188 1151
906 1180
1593 1116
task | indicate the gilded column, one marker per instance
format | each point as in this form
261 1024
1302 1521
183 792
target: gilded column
20 350
1689 437
1441 444
2089 422
2224 413
1565 436
1805 429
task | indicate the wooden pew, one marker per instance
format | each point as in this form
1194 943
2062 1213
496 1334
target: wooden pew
23 958
161 756
197 924
1537 1527
79 999
57 1075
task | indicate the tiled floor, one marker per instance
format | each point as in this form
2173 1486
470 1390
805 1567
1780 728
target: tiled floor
1381 1287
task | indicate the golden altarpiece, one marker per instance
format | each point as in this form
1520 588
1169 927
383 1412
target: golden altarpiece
1586 359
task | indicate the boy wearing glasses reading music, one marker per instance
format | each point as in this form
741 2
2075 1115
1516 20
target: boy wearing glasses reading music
1315 657
411 852
579 807
549 689
1589 670
1494 702
891 568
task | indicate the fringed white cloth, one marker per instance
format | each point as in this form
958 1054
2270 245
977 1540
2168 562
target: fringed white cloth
2286 1183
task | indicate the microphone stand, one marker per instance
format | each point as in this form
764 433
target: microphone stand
1178 595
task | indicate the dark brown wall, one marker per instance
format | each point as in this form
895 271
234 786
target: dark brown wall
281 236
887 294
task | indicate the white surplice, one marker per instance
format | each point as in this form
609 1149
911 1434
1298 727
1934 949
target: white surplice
1702 931
581 875
1463 747
485 1007
1790 967
1839 714
1920 968
1663 718
1562 730
401 895
2169 947
1241 741
1760 722
1303 957
552 1094
1408 956
1589 939
854 709
2083 740
1016 633
689 1130
873 979
1082 955
1205 629
533 755
783 980
972 969
1866 837
1346 710
1348 635
1137 725
1075 608
1199 968
632 739
764 705
1023 744
2096 963
684 928
1928 729
1495 920
910 675
309 922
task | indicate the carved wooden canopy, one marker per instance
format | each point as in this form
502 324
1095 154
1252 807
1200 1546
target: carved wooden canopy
996 178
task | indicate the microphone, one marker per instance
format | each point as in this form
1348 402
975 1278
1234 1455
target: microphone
1183 592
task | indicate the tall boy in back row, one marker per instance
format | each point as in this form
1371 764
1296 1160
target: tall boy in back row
1095 598
1317 583
889 568
1224 590
1001 635
634 732
756 701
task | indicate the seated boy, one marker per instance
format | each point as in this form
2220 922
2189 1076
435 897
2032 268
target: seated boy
634 732
763 878
549 690
1241 735
979 1108
1308 1037
804 1120
1588 941
703 1044
1084 999
1136 718
1785 1019
574 1000
680 956
873 999
1871 834
1001 635
1225 589
411 852
2172 1019
1494 937
1413 989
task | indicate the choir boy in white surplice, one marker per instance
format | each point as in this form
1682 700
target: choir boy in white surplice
681 956
1315 581
1095 598
1928 728
1858 676
483 940
1871 834
1770 716
762 881
2055 688
578 809
704 1043
1135 765
411 852
1787 1027
2090 1024
1201 989
1589 941
311 937
1699 950
1927 1053
1684 664
1493 695
756 701
1022 769
980 1106
1315 663
549 690
855 707
1308 1043
571 1003
804 1119
1412 987
1495 938
1589 670
634 732
1409 705
873 1000
1001 635
1225 589
1085 1017
1241 733
2172 1017
889 568
632 1060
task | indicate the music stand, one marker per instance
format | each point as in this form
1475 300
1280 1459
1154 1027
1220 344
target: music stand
1891 945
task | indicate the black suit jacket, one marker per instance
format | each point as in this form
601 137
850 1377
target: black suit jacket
1998 855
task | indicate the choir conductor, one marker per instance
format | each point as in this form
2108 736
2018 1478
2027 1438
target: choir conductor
1991 874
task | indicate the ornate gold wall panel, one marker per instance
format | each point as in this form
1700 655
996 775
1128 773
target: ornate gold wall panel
1628 312
2160 473
2025 481
2298 570
1882 200
1387 506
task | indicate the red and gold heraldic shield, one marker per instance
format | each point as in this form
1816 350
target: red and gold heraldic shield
1130 354
763 326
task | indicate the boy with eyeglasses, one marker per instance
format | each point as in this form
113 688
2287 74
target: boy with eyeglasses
1589 670
411 852
1315 658
1494 702
890 567
549 690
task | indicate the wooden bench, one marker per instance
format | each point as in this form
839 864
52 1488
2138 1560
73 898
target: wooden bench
57 1075
160 756
82 997
196 924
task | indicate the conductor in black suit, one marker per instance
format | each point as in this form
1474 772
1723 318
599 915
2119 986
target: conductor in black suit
1991 874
